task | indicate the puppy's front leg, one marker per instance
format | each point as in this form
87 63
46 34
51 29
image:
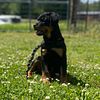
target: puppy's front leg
45 74
45 77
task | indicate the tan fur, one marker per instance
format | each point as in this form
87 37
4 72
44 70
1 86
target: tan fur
59 51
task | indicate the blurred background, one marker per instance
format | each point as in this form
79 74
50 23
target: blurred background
75 15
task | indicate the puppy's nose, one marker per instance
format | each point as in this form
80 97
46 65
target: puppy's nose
35 27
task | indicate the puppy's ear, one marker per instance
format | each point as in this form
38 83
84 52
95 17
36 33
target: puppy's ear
55 17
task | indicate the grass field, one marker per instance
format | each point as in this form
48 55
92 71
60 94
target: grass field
83 51
24 26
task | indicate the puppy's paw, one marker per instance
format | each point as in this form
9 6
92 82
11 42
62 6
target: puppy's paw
44 79
29 74
64 79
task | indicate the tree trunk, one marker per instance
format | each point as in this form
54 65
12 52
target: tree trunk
73 12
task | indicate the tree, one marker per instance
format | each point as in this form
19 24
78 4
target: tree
48 6
95 6
73 12
9 8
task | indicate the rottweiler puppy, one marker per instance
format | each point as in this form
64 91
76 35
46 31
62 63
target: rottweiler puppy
53 61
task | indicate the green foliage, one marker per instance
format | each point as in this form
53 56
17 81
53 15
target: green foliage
83 51
23 9
12 8
92 6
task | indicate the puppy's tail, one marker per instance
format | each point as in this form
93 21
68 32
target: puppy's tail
30 62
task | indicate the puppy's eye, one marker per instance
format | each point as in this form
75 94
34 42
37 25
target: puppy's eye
45 19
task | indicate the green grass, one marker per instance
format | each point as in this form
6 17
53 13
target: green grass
24 26
19 27
83 51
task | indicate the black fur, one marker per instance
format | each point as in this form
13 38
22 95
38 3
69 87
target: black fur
54 62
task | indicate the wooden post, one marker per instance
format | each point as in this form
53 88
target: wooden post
87 10
30 16
73 13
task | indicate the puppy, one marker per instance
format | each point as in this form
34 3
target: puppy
53 61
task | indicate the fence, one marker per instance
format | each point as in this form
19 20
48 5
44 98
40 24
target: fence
88 15
29 10
81 14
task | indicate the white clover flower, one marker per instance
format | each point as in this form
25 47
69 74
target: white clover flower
33 82
52 79
87 93
47 98
2 82
57 80
78 84
75 72
1 66
63 84
8 82
68 71
47 79
87 85
16 77
5 82
96 65
72 65
41 80
36 77
84 90
4 75
30 90
8 67
54 90
28 81
51 87
9 58
68 83
5 72
76 98
94 74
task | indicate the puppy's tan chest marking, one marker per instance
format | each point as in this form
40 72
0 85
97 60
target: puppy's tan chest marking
58 51
48 29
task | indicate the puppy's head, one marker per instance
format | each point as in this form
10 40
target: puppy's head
45 23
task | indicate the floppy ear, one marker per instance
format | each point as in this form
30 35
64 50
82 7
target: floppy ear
55 17
49 17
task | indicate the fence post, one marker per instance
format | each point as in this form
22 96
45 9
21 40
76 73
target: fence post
87 10
68 15
30 16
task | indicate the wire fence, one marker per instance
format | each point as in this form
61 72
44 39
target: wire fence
88 15
84 14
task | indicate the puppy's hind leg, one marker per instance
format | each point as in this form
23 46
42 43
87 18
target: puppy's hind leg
35 67
63 76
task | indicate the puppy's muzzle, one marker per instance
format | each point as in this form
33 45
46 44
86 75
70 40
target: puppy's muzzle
38 25
37 28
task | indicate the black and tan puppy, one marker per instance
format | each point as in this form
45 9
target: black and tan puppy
53 49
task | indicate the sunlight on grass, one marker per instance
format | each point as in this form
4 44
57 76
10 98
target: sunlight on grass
83 51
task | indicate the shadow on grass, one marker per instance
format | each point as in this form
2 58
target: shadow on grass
74 81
